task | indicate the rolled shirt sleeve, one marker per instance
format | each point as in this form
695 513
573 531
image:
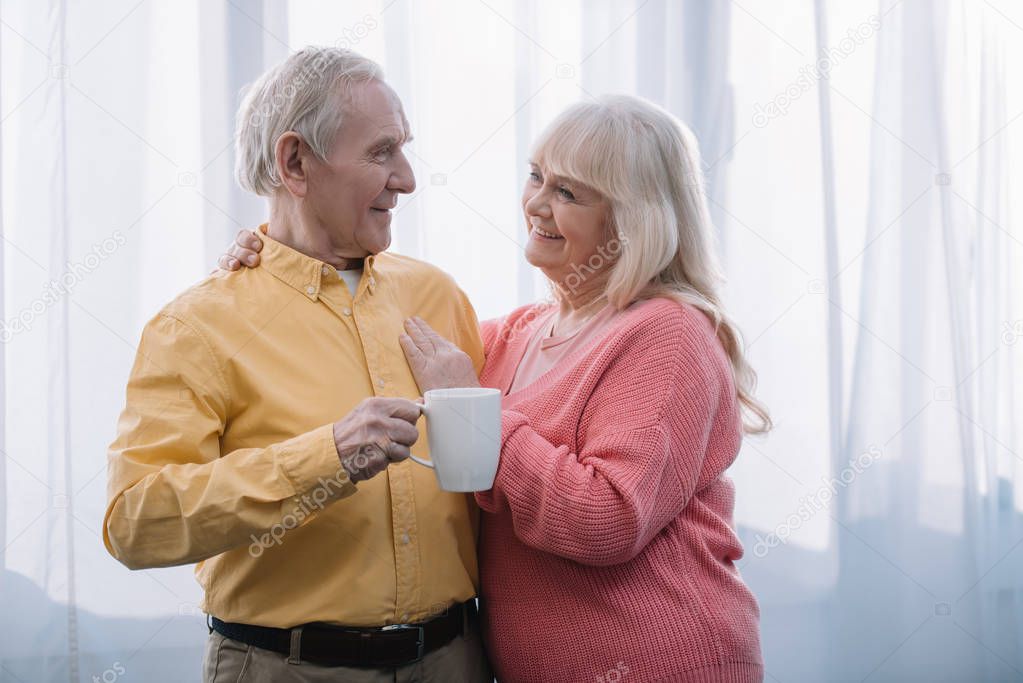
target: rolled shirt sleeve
174 498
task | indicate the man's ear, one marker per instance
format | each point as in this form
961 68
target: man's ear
291 154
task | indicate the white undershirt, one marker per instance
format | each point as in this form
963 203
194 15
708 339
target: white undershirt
351 278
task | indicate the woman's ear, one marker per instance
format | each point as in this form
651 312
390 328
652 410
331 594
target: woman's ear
291 155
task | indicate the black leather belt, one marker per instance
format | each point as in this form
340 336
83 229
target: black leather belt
373 648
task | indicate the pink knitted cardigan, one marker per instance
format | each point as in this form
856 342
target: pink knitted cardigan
607 549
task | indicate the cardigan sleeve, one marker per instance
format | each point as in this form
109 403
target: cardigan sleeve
642 447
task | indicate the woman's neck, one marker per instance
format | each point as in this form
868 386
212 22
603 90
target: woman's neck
573 313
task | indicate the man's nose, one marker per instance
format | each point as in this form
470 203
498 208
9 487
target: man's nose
402 178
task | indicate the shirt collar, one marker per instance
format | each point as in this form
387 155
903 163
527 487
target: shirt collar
301 272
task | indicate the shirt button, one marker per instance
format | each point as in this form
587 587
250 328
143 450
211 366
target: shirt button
404 618
405 539
326 270
346 311
381 383
372 281
310 290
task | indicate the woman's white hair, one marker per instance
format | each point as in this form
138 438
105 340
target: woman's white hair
306 94
647 164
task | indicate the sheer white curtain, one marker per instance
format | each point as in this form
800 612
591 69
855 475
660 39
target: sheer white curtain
882 195
861 159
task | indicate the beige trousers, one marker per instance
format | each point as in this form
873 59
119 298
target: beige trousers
229 661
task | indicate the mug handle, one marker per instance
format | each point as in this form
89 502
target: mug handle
424 463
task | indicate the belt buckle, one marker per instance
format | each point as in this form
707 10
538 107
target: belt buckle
410 627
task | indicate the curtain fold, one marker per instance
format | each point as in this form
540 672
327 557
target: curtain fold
919 364
60 527
833 283
3 356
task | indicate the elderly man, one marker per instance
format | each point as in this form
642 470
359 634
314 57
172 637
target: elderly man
269 413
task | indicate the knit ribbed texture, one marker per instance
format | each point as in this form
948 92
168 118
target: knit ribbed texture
608 551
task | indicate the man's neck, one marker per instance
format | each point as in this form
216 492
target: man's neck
291 231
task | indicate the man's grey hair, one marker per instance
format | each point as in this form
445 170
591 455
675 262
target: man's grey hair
305 94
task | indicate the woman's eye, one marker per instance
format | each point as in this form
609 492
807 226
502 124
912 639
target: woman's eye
564 192
534 176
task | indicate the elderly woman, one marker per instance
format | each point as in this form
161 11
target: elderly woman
607 550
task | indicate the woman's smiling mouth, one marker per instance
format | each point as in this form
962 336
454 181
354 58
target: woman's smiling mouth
546 235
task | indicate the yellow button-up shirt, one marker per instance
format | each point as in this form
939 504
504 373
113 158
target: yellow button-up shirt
225 453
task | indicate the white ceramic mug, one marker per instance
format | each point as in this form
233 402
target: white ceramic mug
464 431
